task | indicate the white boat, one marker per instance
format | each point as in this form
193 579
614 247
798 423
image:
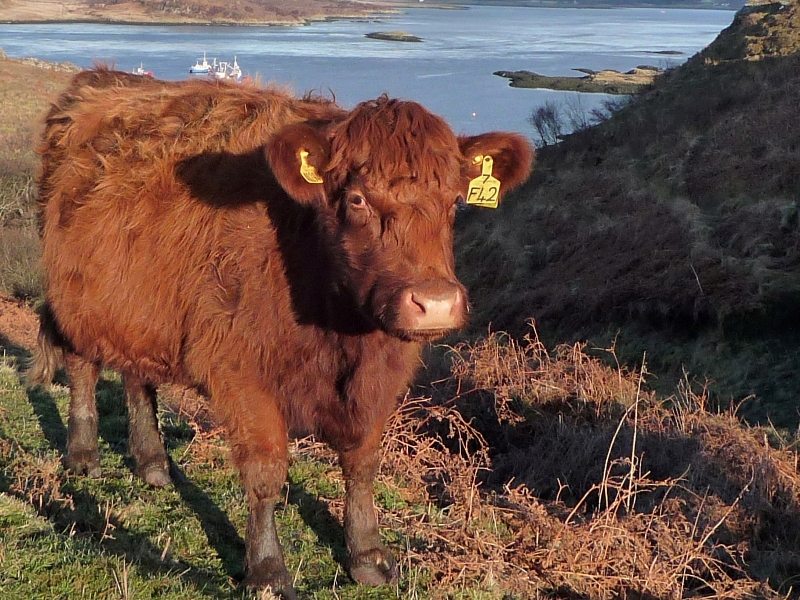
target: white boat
220 69
201 67
226 70
236 72
140 71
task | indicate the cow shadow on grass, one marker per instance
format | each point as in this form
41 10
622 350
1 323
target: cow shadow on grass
318 518
90 516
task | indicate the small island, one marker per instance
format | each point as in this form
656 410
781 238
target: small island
393 36
606 81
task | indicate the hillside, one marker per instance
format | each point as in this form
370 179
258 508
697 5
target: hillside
241 12
762 29
521 473
671 228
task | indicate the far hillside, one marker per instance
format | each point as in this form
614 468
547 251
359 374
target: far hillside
241 12
671 229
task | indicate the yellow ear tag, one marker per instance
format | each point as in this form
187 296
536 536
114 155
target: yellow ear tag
484 190
308 171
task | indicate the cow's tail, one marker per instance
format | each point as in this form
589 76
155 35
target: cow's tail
48 355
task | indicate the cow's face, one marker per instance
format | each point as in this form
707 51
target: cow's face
386 182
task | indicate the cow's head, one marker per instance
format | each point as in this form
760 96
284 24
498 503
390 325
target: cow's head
386 182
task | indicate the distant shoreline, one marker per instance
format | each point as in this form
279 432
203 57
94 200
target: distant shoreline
562 5
306 22
374 11
273 13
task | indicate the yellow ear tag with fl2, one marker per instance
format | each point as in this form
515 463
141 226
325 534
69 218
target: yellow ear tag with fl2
308 171
484 190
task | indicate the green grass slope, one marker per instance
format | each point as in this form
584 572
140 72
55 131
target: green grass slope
672 227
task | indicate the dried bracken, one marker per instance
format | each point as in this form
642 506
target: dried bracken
36 478
660 499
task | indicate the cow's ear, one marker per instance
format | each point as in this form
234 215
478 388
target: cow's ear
511 157
298 155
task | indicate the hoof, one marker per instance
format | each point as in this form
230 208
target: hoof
154 474
374 567
278 581
84 463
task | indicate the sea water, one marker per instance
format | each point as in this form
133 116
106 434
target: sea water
451 71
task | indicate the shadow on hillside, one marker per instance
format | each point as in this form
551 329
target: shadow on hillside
221 534
20 355
710 466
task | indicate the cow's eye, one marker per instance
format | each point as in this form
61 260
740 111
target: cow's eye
357 201
356 210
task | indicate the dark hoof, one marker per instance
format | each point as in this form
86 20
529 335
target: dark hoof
278 581
155 474
374 567
84 463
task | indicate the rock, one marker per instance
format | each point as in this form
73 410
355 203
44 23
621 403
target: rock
393 36
606 81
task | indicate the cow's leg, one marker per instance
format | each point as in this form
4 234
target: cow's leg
83 455
259 443
369 561
144 441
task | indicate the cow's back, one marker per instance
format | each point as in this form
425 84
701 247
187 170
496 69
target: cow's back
157 206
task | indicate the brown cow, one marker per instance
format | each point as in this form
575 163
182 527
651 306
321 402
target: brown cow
285 256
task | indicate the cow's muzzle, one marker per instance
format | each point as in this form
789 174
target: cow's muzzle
431 309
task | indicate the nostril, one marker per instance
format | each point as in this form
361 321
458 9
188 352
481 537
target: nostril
458 301
414 303
420 301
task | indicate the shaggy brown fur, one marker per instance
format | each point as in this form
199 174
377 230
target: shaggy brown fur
182 244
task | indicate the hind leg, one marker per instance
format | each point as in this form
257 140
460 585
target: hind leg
83 456
144 441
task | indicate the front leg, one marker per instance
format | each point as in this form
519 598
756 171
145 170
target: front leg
263 555
259 443
369 561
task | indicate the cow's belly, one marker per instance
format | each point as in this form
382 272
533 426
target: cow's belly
137 336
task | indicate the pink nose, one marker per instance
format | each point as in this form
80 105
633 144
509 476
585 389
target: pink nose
433 305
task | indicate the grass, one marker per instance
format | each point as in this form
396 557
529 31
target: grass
74 537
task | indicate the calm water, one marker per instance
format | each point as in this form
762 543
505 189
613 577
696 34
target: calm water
451 72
